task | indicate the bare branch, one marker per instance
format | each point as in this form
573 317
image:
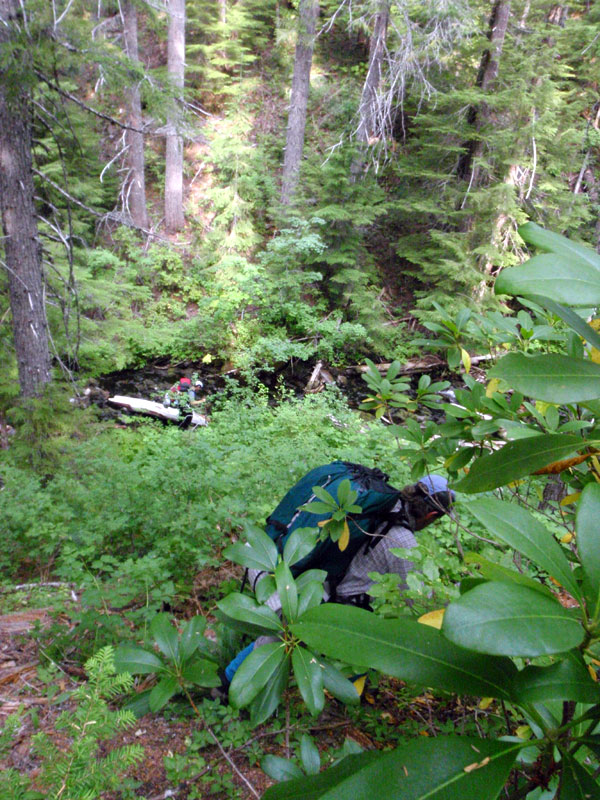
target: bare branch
92 110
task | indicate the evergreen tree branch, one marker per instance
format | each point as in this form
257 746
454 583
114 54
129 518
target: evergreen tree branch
91 109
110 216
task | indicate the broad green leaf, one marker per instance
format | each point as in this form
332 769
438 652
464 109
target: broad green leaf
309 753
191 636
310 596
140 705
241 607
137 661
280 769
286 588
441 768
593 742
162 693
577 783
202 672
572 282
345 493
393 370
264 588
553 377
264 546
249 557
316 507
572 319
243 627
509 620
587 521
404 649
516 460
309 678
569 679
255 672
519 529
316 786
552 242
496 572
309 576
267 700
165 636
338 685
301 542
324 495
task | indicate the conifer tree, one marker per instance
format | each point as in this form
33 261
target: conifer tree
19 223
134 187
174 150
488 72
296 123
367 111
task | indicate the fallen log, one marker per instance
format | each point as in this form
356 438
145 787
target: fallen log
416 364
153 409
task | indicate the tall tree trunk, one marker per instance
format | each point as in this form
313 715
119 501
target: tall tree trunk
134 190
488 72
367 124
22 249
174 156
294 140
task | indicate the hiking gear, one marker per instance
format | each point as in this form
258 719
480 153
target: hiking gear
436 495
184 384
380 558
235 663
436 483
375 497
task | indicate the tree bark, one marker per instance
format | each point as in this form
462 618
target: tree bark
488 72
174 152
134 189
22 249
367 110
367 126
294 141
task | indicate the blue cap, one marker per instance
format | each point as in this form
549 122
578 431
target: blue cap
435 484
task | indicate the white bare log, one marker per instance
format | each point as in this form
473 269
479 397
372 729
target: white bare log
153 409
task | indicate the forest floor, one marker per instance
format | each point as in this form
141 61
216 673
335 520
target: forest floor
170 767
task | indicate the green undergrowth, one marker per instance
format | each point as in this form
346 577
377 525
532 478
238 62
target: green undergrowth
130 516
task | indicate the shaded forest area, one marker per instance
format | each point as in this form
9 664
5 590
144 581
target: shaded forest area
396 196
428 135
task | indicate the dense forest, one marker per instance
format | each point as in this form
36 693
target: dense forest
366 231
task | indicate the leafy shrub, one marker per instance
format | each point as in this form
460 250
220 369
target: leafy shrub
507 636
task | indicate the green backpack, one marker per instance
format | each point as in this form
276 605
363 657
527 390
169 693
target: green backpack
375 497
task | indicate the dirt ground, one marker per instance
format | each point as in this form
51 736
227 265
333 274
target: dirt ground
22 688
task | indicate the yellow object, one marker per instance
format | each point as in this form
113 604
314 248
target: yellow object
466 359
593 673
594 352
568 537
345 537
570 498
485 702
433 618
523 732
492 387
477 765
359 684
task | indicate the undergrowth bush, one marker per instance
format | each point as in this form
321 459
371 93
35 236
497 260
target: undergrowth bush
131 515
